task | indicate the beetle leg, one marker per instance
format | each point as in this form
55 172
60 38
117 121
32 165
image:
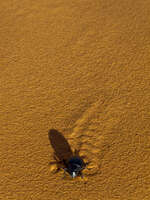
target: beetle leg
76 152
51 163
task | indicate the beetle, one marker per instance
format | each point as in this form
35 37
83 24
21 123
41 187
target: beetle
72 165
66 159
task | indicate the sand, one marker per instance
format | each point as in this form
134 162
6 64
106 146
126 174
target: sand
81 67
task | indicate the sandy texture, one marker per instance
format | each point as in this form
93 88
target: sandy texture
81 67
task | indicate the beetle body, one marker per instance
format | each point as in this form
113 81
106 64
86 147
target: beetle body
74 166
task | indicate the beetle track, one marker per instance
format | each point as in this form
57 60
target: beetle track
84 136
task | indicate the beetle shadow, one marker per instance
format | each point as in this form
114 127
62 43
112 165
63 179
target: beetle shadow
61 147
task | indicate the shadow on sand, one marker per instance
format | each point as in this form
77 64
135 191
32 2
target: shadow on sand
61 148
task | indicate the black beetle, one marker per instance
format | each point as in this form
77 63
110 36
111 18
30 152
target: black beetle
64 157
74 166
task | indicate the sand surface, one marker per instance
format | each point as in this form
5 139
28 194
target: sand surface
81 67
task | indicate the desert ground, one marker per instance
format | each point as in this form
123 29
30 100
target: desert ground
82 68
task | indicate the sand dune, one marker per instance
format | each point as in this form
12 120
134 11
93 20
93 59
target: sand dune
81 67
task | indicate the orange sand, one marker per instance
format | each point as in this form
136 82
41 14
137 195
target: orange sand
81 67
